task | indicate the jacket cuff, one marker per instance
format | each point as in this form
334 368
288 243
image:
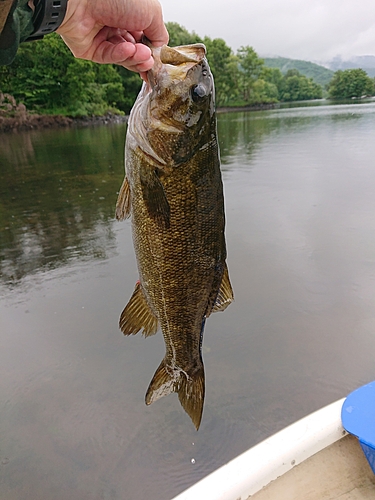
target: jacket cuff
17 28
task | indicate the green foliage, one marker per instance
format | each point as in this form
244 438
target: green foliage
47 78
34 76
178 35
250 68
351 83
131 83
251 65
224 68
272 75
319 74
297 87
263 92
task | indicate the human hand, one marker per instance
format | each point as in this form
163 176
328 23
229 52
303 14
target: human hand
109 31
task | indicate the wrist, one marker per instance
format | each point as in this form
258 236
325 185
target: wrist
76 9
47 18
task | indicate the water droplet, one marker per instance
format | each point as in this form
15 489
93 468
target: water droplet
193 460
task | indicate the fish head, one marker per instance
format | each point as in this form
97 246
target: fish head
181 102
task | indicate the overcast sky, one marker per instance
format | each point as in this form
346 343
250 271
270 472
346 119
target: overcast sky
314 30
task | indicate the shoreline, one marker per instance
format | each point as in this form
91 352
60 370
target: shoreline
24 122
28 121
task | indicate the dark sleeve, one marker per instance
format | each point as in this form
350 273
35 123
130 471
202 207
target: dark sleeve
17 28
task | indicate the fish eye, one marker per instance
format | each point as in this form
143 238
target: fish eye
198 92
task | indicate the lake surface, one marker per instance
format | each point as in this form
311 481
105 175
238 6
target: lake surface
300 204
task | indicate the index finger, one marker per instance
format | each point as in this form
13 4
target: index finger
156 32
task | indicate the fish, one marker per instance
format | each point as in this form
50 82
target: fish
173 192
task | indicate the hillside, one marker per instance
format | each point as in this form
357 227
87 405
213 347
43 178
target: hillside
318 73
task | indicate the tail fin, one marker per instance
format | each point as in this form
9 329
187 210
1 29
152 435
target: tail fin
189 386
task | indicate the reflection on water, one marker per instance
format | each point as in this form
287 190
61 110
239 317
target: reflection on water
56 196
299 186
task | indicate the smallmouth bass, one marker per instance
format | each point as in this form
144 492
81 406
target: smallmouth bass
174 194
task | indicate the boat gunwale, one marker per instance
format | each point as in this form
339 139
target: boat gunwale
254 469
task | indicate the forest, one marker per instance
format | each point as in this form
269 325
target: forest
47 79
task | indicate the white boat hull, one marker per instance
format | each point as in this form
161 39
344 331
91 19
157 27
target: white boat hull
312 459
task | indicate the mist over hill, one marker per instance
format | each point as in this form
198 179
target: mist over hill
319 74
367 63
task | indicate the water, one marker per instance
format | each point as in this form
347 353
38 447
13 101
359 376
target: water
299 187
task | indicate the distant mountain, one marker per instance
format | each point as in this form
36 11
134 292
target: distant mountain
366 63
318 73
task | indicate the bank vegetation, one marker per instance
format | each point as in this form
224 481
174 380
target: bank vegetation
46 80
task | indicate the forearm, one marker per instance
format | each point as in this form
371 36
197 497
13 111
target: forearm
103 31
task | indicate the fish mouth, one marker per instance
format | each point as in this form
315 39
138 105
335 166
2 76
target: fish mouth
181 54
173 61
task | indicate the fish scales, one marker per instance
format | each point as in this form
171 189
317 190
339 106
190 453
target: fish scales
173 191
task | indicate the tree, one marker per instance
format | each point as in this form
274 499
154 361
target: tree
249 70
263 92
224 67
297 87
275 77
350 83
46 77
35 76
131 84
178 35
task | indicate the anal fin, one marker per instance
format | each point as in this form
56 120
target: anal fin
137 315
225 295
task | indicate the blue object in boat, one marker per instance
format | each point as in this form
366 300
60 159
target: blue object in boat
358 418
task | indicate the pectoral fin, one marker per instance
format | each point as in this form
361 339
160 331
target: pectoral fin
155 198
123 201
137 315
190 387
225 295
